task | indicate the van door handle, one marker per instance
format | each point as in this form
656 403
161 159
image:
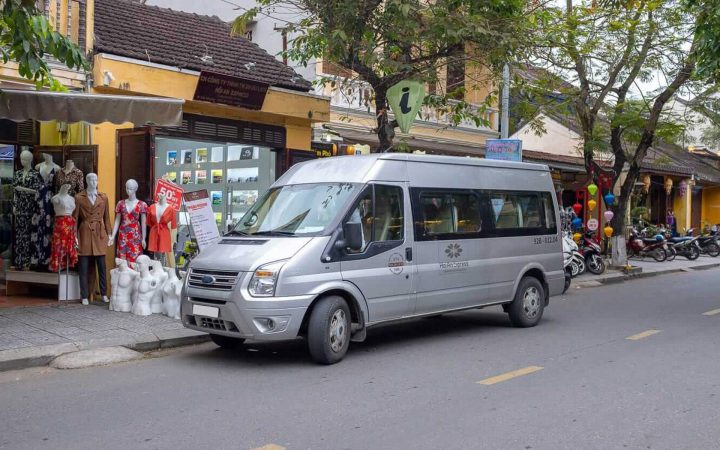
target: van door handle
408 253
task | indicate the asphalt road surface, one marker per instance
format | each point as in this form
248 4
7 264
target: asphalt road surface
461 381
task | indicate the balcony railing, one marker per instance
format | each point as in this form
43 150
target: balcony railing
358 97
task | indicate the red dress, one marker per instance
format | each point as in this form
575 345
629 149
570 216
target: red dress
129 241
159 240
64 247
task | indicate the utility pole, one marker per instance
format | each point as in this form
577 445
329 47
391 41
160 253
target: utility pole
505 118
283 32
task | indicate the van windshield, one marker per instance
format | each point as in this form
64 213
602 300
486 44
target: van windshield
296 210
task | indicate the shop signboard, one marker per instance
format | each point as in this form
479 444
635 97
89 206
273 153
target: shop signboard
172 192
504 149
218 88
593 224
202 218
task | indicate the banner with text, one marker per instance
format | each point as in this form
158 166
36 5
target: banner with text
202 218
172 192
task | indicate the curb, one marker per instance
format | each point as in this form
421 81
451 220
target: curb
24 358
621 278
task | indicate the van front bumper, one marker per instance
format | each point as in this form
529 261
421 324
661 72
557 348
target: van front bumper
269 319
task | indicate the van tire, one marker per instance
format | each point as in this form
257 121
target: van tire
226 341
329 329
527 308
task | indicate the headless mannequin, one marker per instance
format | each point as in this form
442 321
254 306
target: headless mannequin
92 193
156 305
160 208
122 282
171 294
47 166
131 202
145 286
69 166
26 161
63 203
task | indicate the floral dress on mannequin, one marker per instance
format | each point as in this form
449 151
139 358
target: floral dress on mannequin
26 207
129 242
43 218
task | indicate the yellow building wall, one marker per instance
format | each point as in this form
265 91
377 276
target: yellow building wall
77 134
681 208
711 205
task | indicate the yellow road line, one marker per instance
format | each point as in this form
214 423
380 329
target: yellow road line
509 375
711 312
643 335
270 447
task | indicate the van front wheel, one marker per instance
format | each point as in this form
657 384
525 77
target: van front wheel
328 332
527 308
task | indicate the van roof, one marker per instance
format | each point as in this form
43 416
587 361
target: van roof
456 160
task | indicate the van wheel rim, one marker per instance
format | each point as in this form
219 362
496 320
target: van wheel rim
338 331
531 302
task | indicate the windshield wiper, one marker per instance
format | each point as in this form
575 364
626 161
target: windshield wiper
236 233
274 233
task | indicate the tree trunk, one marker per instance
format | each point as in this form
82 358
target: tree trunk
385 128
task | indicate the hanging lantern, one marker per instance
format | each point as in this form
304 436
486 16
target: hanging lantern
577 222
577 207
668 185
646 184
608 231
592 204
608 215
682 188
609 199
577 237
592 188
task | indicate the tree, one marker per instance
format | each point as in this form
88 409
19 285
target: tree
610 51
27 39
382 42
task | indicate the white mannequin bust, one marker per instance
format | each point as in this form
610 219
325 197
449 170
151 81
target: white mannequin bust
171 294
46 166
63 203
161 277
145 287
122 280
131 187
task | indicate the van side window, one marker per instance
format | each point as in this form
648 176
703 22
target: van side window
449 215
518 213
549 207
380 211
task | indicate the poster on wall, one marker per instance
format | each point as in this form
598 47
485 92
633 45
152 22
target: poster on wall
172 158
201 156
172 192
185 176
202 218
186 156
201 177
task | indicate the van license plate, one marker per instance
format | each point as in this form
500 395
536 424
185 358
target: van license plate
207 311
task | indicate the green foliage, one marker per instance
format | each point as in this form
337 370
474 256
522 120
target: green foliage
707 36
27 39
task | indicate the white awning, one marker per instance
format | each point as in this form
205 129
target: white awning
21 105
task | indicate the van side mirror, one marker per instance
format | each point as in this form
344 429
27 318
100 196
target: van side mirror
353 236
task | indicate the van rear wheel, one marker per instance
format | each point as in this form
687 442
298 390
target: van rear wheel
328 333
527 308
226 342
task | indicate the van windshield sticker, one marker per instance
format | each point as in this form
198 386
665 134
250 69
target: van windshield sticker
497 204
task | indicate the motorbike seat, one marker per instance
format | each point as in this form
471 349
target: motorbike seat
677 240
650 240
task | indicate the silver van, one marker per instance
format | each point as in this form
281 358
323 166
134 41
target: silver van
338 245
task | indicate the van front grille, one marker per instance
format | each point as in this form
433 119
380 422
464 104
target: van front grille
218 280
213 324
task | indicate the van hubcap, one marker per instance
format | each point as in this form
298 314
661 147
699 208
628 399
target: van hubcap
338 330
531 302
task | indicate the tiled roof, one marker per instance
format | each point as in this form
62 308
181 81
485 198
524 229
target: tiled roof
184 40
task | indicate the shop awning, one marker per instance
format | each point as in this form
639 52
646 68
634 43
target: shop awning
21 105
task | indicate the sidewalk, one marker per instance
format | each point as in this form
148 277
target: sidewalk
34 336
649 267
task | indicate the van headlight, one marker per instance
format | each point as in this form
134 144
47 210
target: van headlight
264 280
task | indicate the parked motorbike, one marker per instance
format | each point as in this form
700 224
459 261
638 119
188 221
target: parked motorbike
577 261
686 246
567 261
592 255
708 244
642 247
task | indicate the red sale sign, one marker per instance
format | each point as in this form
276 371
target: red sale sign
172 192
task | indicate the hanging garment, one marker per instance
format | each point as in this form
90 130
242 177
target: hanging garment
43 219
74 178
26 206
159 240
93 222
129 239
64 247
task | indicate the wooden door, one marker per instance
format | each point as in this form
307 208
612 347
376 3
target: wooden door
696 209
136 160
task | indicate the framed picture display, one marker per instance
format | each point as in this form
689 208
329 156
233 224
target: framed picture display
201 155
201 177
216 155
172 158
185 177
216 197
187 156
171 176
217 176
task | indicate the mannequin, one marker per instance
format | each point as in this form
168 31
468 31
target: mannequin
130 224
93 224
156 304
145 286
64 246
70 175
26 184
43 219
171 294
162 220
122 280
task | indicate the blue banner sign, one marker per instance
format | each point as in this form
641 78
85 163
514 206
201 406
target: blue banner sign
504 149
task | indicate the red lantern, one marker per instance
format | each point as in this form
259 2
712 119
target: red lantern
577 207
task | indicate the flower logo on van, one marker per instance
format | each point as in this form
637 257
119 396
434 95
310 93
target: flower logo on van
453 251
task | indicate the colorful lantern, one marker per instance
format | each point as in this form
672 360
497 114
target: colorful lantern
668 185
682 188
577 222
609 198
609 215
646 184
577 237
592 204
577 207
592 188
608 231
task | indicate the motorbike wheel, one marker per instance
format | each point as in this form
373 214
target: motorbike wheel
712 249
595 264
581 266
671 253
692 253
568 279
574 269
659 254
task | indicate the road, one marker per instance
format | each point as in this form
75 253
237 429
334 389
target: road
426 384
